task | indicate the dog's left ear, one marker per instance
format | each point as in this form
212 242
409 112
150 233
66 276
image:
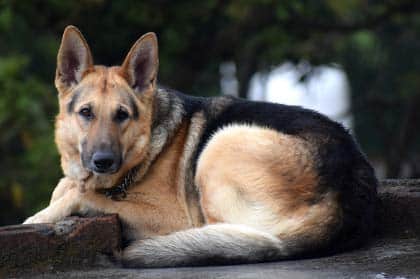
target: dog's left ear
141 65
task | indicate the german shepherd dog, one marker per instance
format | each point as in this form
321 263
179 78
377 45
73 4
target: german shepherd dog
201 181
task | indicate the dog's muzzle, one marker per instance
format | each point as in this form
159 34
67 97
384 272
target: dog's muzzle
105 162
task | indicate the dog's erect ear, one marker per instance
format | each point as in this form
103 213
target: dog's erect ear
140 67
73 59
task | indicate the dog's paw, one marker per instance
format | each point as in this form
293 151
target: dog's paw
38 218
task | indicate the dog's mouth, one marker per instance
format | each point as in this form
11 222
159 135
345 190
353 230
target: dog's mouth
98 171
106 170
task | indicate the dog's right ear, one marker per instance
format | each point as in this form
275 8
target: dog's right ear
73 60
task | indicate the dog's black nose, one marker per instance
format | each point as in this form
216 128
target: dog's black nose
103 161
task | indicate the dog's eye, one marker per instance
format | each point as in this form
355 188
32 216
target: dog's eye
86 113
121 115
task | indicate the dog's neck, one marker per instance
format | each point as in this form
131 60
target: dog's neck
167 117
119 191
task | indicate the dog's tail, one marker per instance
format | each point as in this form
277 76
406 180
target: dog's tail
209 245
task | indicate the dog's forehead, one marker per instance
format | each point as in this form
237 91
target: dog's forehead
101 86
105 81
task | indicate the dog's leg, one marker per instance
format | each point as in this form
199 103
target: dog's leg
68 198
60 207
62 187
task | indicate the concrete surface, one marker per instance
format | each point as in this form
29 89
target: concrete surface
383 259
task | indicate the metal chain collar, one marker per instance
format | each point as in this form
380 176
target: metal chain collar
119 192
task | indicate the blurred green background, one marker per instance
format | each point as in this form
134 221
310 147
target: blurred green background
375 42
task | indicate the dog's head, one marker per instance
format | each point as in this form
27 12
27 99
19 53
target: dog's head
104 124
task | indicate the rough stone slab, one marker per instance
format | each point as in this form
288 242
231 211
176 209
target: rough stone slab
398 211
73 242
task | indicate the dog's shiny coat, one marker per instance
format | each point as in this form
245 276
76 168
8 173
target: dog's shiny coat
220 180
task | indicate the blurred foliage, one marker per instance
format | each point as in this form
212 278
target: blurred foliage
376 43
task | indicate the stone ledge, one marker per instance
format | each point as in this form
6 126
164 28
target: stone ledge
77 243
398 211
72 243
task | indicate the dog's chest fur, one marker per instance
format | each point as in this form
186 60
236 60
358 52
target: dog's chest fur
159 202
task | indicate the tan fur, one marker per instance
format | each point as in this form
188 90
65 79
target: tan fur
264 179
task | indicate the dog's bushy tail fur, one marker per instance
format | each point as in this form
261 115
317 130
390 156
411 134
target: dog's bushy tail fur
209 245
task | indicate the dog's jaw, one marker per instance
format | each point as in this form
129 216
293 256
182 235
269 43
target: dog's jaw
74 170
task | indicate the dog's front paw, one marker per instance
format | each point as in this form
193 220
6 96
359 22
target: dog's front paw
38 218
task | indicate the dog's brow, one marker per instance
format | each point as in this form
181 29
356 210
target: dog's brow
134 107
104 85
73 101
